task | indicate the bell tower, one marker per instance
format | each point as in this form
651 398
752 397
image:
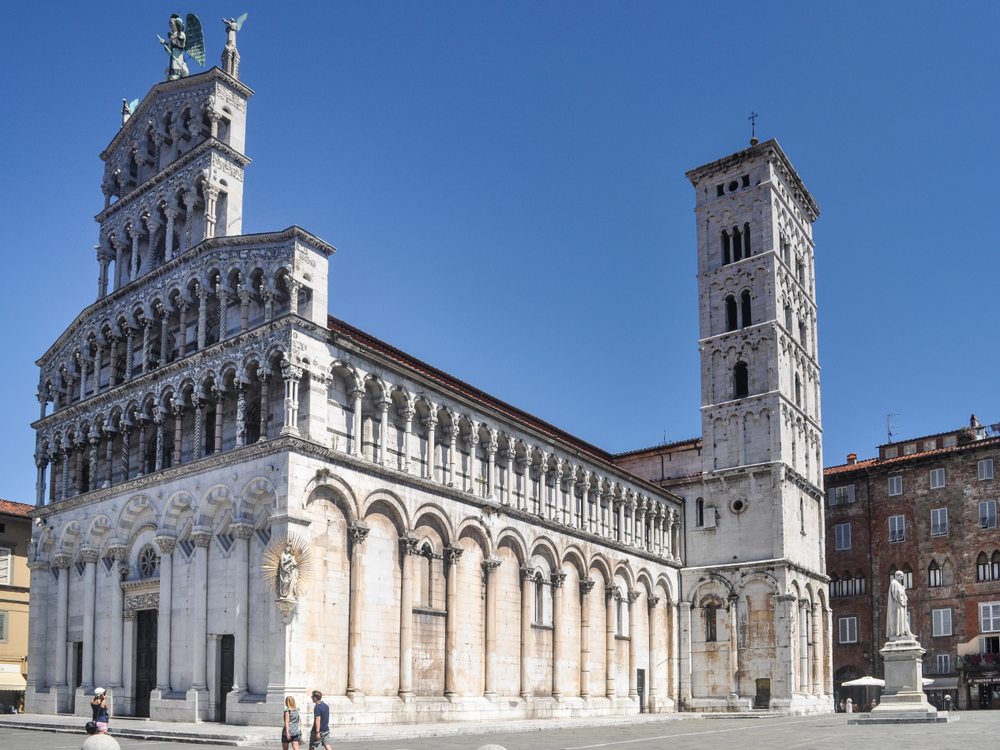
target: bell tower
760 374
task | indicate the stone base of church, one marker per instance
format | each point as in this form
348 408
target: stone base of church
903 717
190 705
52 700
259 711
797 705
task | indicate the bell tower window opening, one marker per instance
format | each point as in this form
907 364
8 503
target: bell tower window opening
725 248
737 245
788 318
741 380
711 633
731 323
746 313
798 391
746 240
699 512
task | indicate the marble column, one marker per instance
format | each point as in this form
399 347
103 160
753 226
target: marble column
241 413
219 395
356 440
41 462
158 419
241 589
383 432
291 374
633 671
431 424
586 586
803 646
654 651
491 465
357 532
199 428
117 554
65 450
172 215
129 353
177 408
94 441
60 563
527 584
620 535
113 363
509 476
202 537
244 295
451 648
558 635
109 434
490 569
785 635
685 651
407 550
407 413
473 442
128 657
38 648
163 620
453 430
542 511
611 596
817 650
264 376
202 333
88 556
79 449
182 308
734 646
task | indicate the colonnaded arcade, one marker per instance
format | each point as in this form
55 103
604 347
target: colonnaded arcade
455 558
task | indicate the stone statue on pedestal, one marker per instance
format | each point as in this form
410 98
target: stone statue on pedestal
897 621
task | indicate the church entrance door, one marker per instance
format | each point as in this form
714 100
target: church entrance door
227 654
640 682
763 697
145 659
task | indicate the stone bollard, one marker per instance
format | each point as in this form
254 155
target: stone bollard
849 706
100 742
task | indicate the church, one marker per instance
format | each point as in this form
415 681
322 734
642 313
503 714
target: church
242 497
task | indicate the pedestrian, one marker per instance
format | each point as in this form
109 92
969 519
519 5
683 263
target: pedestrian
843 707
320 734
291 733
99 705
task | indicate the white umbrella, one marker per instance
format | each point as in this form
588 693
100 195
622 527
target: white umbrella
864 682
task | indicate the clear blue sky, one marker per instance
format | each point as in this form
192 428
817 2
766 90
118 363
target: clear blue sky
505 184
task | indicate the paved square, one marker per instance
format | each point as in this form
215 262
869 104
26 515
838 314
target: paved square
974 730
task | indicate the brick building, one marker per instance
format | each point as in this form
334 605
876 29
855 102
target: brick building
927 507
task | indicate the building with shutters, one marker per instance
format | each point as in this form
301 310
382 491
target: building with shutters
15 533
927 507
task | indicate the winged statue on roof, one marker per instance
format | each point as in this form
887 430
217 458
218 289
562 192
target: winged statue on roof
185 37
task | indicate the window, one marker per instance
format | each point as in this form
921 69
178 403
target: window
941 621
891 452
930 445
859 584
741 380
842 495
908 583
725 247
895 486
847 628
731 313
944 664
4 618
897 528
988 514
939 522
798 391
746 227
843 535
745 309
540 604
909 450
937 479
147 562
699 512
950 442
983 568
710 630
933 574
737 244
6 574
989 645
989 617
985 469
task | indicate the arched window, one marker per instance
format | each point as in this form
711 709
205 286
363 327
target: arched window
745 305
859 583
725 247
699 513
800 268
741 380
834 585
788 318
730 313
983 568
933 574
847 585
711 634
908 576
798 391
995 564
539 600
802 335
746 240
737 245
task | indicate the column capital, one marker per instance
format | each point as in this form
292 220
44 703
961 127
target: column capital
358 531
166 544
429 422
38 565
558 579
60 561
201 537
115 551
586 586
528 573
490 565
653 601
633 595
290 371
452 554
611 591
408 545
241 530
89 555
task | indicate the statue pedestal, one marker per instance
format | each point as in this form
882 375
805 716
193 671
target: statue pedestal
903 700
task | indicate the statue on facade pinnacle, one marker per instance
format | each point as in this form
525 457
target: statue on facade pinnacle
185 37
230 55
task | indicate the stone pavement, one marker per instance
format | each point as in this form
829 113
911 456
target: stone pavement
977 729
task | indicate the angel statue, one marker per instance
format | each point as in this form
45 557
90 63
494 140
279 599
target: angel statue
288 574
230 55
184 37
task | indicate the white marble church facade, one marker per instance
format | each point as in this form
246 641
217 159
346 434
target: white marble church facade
468 560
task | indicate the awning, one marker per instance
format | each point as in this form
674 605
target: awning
942 683
12 681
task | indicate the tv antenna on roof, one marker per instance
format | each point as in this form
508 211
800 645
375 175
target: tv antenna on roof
753 128
889 425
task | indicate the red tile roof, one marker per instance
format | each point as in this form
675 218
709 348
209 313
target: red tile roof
366 339
867 463
14 509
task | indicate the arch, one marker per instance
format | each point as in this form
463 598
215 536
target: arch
337 492
544 547
662 582
214 505
708 580
741 380
97 530
644 579
136 506
574 556
602 565
179 504
70 536
388 504
624 569
511 538
472 529
252 494
432 515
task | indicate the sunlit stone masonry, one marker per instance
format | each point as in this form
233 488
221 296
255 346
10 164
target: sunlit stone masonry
451 557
